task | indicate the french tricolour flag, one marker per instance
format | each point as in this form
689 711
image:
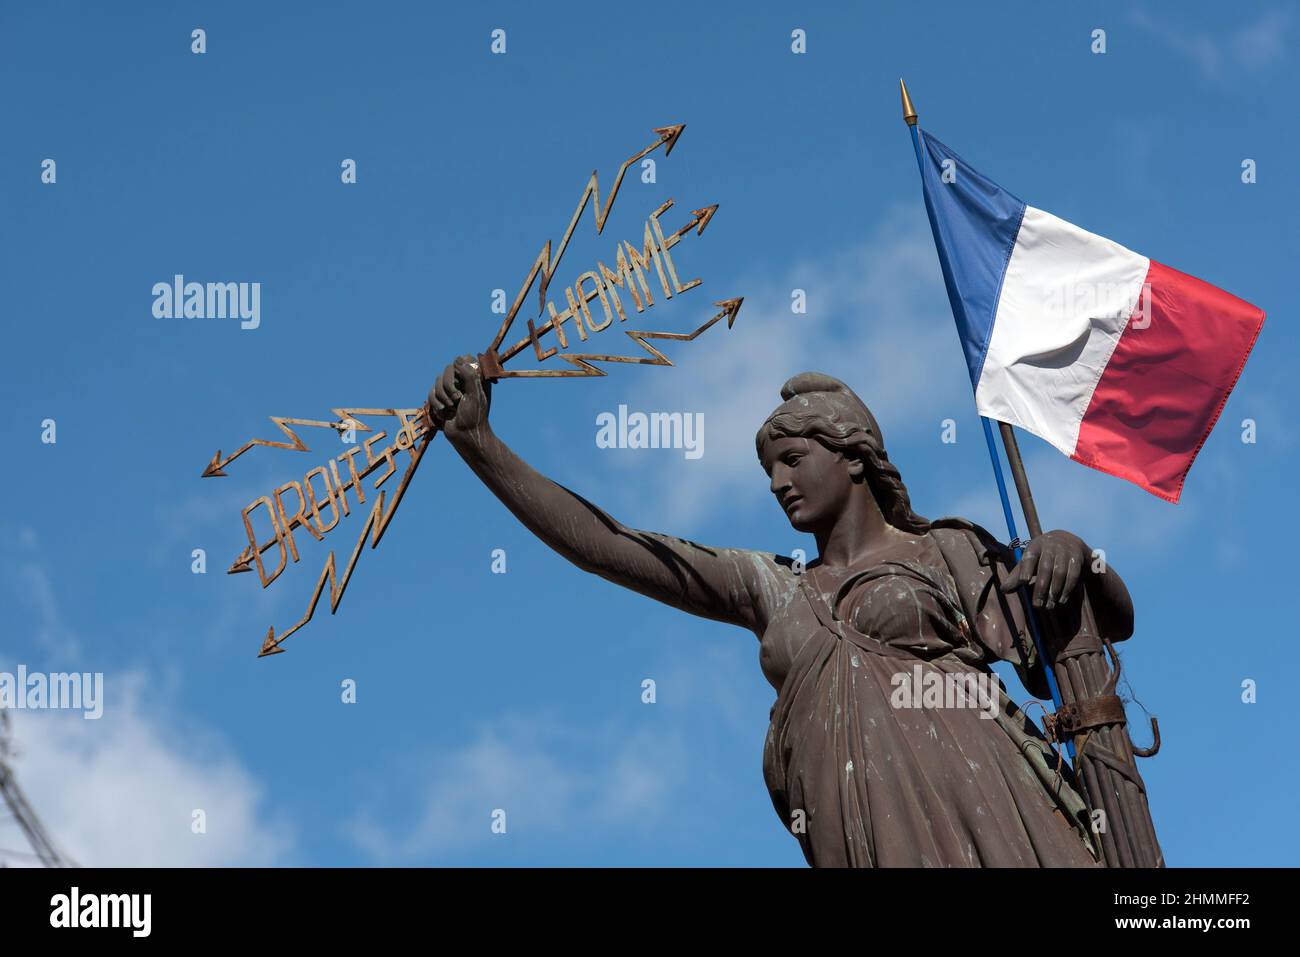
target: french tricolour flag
1120 362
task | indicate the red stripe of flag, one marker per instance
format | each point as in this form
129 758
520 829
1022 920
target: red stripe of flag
1167 381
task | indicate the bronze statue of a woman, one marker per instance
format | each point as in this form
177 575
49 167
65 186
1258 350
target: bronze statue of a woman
858 775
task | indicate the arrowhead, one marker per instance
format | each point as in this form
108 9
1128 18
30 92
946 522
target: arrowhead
214 467
269 647
731 307
243 563
704 215
669 135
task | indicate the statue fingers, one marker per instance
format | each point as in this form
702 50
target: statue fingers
1074 571
450 394
1043 574
466 365
438 399
434 404
1023 573
1056 585
435 414
442 404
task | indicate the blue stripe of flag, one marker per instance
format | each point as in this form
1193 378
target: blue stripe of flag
975 223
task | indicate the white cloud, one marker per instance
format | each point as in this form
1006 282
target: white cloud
552 780
1263 42
563 784
32 588
1253 47
120 790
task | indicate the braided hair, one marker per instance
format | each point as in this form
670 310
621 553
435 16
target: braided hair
821 407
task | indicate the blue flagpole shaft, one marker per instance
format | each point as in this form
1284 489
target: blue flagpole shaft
1030 618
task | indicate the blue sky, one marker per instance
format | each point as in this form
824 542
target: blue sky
522 691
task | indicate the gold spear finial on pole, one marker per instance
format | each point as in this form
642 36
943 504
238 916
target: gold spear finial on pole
909 111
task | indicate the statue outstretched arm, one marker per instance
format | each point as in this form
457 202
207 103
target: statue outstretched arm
720 584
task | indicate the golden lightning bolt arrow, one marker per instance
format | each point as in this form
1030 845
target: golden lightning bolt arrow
347 420
700 219
544 264
417 430
730 308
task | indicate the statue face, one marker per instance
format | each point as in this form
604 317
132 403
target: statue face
811 483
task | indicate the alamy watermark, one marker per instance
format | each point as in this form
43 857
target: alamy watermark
179 299
74 909
928 688
653 430
58 690
1099 300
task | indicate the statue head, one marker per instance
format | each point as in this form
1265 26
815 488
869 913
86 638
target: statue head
821 446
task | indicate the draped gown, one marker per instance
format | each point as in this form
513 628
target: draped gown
858 781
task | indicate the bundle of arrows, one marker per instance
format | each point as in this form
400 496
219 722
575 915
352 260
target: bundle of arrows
319 501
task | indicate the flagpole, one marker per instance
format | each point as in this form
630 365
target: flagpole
1022 483
1106 768
1021 478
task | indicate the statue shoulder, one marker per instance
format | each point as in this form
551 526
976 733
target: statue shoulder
960 539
